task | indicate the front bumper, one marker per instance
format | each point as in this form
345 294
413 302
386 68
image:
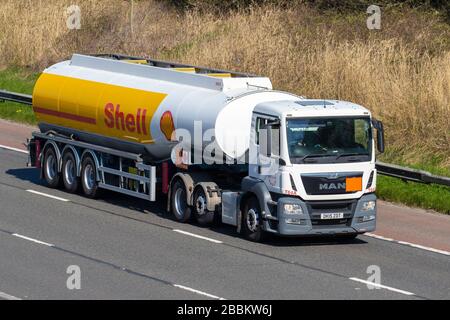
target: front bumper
309 222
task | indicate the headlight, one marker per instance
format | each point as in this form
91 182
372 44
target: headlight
292 209
368 205
295 221
368 218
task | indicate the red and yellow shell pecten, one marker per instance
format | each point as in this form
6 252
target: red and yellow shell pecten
166 125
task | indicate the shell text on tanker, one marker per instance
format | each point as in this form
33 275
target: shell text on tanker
114 118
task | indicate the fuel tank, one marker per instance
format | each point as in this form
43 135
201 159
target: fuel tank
137 107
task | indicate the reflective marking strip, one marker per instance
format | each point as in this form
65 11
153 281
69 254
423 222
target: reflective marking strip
47 195
8 296
198 292
418 246
13 149
33 240
197 236
383 287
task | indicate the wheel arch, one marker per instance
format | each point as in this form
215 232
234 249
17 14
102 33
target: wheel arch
186 179
212 193
54 145
190 181
91 153
245 197
69 148
257 188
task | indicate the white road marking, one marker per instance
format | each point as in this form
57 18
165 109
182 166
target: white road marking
378 237
33 240
418 246
8 296
198 292
424 248
197 236
13 149
383 286
48 195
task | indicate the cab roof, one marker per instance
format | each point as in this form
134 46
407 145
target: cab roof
311 107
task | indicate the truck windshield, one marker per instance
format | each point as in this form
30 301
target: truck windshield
329 140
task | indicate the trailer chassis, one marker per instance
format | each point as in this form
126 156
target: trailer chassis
116 170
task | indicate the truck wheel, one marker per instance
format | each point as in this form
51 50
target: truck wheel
180 208
203 216
51 174
69 173
88 178
252 221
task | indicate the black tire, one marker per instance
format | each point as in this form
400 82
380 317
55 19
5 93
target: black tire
203 216
69 173
50 168
178 202
252 221
89 181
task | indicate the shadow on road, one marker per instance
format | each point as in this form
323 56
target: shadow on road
159 209
27 174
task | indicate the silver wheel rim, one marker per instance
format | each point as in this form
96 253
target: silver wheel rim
88 177
69 172
180 202
200 205
252 220
50 167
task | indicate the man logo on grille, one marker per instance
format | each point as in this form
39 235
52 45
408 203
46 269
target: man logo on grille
332 186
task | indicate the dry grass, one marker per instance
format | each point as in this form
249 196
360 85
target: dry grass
401 73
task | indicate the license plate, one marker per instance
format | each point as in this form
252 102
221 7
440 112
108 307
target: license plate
334 215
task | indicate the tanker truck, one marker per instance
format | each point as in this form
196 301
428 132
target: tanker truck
214 145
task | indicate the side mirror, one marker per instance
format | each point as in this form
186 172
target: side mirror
380 134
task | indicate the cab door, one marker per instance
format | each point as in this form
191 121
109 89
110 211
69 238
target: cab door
265 149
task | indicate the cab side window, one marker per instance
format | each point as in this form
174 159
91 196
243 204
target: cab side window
260 123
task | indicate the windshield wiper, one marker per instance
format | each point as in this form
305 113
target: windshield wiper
351 154
314 155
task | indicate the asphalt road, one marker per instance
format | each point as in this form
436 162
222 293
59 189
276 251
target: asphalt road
131 249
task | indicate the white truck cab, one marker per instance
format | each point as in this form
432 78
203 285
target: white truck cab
312 169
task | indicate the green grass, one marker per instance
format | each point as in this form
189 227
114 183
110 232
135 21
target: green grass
433 164
16 80
427 196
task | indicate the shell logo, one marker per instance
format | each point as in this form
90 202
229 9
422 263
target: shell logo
166 125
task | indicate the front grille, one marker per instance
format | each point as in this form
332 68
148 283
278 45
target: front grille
316 208
327 183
